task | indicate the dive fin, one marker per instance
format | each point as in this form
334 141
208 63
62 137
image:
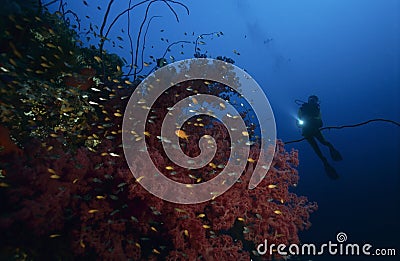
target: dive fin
335 155
330 171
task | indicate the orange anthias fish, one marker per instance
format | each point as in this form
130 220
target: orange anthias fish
181 134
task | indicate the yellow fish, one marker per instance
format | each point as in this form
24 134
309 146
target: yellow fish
278 212
181 134
13 62
98 59
51 45
3 185
18 54
91 211
52 171
271 186
45 65
179 210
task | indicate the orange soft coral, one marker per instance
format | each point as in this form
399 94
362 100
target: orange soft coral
82 80
6 144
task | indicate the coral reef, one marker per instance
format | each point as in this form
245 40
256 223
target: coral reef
90 202
66 191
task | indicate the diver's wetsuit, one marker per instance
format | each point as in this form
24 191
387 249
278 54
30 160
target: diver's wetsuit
311 115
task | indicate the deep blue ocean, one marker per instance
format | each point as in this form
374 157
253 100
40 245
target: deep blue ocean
347 52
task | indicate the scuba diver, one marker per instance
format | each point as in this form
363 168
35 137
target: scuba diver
310 121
